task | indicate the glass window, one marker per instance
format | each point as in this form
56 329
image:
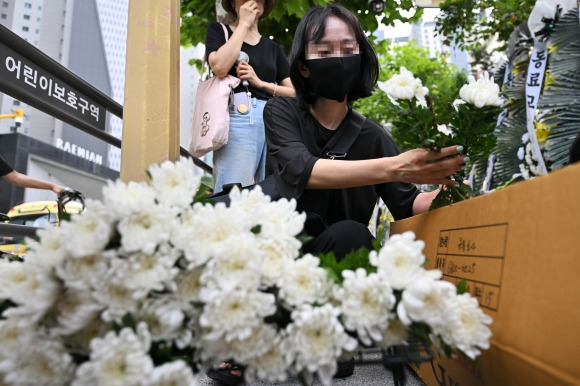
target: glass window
27 5
3 16
26 17
25 28
4 4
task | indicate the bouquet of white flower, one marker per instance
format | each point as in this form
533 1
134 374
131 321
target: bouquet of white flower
150 283
472 123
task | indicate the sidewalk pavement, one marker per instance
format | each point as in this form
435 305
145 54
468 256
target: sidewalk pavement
364 375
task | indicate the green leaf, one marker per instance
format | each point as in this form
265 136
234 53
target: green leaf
462 286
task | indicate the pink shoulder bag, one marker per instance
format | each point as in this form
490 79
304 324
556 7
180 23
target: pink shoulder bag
211 119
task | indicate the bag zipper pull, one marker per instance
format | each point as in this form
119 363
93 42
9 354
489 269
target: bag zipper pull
250 106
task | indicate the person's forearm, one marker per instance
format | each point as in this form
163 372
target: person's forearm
417 166
423 202
338 174
25 181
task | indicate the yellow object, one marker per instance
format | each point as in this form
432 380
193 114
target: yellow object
151 107
34 214
542 131
18 114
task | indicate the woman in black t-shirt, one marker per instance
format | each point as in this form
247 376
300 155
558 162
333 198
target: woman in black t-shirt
264 72
331 65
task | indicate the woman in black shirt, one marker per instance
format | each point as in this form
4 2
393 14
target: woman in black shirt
264 73
332 64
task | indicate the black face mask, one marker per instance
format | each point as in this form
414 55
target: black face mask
333 78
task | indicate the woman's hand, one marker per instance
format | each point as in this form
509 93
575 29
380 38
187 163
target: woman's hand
248 13
420 166
246 72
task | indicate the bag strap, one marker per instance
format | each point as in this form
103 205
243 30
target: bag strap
341 142
204 62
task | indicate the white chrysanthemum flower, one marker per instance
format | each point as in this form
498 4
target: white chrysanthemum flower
445 130
316 340
233 315
175 182
304 282
50 250
405 86
117 359
202 229
188 286
15 335
281 220
400 260
124 199
12 275
250 201
164 318
260 341
236 264
117 298
145 230
79 342
395 334
35 292
145 272
269 365
89 232
481 92
45 362
366 304
466 327
75 309
277 251
176 373
82 271
426 300
458 102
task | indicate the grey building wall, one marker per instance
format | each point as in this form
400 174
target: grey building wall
87 60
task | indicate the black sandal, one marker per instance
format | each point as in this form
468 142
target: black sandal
224 374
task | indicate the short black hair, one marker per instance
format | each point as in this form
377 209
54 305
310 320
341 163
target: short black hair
575 150
311 29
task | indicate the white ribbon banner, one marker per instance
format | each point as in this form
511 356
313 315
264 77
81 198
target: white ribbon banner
535 76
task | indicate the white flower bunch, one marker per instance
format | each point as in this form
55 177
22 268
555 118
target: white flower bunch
426 299
404 86
146 285
481 92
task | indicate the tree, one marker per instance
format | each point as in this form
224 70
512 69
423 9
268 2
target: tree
281 23
468 23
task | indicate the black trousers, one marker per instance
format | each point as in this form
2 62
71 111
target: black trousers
341 238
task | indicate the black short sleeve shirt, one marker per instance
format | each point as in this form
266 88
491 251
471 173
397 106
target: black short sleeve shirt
293 138
266 57
4 167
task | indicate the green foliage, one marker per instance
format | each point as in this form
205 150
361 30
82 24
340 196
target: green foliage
281 23
441 78
470 22
352 261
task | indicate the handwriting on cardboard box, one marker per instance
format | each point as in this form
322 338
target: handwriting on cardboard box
475 254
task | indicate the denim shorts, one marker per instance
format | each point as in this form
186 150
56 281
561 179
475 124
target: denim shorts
243 159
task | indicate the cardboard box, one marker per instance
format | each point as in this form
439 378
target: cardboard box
519 250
